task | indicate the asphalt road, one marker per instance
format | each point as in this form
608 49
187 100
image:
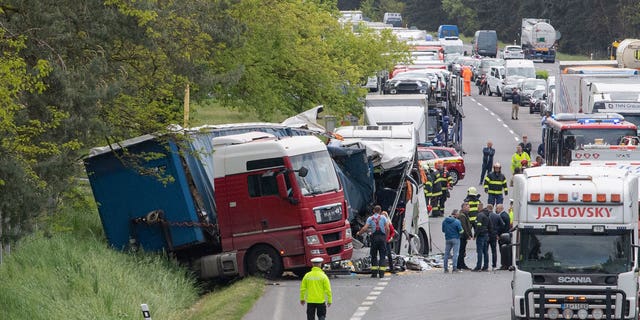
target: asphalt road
429 294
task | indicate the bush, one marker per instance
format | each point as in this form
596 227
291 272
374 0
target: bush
542 74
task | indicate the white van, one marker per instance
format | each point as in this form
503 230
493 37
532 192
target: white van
514 70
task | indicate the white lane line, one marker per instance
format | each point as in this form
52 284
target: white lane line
472 99
493 114
499 119
513 133
370 299
505 125
480 104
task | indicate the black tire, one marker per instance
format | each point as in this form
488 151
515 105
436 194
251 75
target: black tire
424 243
490 92
498 93
530 110
454 176
504 98
264 261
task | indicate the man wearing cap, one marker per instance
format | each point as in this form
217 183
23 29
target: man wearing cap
515 103
315 291
495 184
380 228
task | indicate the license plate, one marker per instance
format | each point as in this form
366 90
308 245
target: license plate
576 306
335 258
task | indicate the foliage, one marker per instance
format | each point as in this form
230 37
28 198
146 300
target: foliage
296 56
542 74
586 26
230 303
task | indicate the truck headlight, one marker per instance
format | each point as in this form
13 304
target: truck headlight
313 239
567 313
347 234
553 313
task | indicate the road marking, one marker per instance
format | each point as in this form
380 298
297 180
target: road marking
472 99
505 125
491 112
370 299
513 133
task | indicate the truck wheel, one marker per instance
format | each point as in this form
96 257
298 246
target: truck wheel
424 243
454 176
264 261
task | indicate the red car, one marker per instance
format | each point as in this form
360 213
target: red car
453 162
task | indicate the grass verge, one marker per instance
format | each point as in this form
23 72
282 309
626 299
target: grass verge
231 302
67 271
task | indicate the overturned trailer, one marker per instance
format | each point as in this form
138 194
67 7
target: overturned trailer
391 157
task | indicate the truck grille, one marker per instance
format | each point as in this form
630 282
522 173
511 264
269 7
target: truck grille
330 237
334 250
612 302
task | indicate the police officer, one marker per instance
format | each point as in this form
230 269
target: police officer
473 198
380 228
495 184
315 290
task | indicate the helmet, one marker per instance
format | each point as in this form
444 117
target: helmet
472 191
497 165
524 162
439 163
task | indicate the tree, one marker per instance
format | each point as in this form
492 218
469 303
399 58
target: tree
116 69
20 186
296 56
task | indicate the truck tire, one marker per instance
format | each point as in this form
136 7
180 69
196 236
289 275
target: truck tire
264 261
424 243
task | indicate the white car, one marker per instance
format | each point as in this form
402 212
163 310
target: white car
513 52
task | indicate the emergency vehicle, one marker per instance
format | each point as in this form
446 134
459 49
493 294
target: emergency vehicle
231 205
570 132
575 244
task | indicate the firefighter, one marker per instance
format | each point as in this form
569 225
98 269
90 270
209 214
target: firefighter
495 184
380 228
427 180
473 198
315 291
441 186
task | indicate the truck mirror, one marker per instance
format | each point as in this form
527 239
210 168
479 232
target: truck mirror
303 171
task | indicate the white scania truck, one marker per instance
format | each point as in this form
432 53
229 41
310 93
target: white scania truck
575 244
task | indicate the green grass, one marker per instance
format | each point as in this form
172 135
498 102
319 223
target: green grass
570 57
67 271
230 302
210 112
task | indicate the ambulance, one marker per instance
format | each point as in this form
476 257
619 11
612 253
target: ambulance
575 242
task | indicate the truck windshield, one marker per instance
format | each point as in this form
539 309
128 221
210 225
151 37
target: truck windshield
575 252
321 177
575 139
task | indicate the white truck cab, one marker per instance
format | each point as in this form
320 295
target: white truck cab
575 252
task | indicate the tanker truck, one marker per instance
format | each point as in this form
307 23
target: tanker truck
537 38
628 54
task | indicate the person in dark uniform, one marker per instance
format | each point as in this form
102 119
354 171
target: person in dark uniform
495 184
465 236
473 198
379 226
483 230
505 253
487 160
441 187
